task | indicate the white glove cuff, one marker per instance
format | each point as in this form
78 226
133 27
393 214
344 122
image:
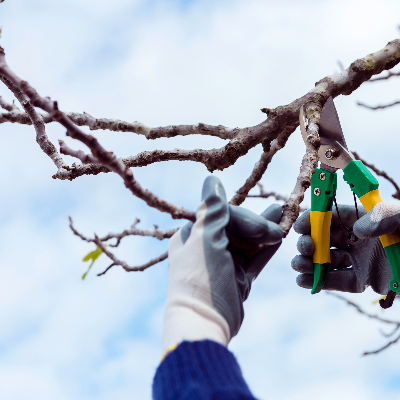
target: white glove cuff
188 318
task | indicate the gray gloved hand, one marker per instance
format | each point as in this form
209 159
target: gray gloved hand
209 277
354 264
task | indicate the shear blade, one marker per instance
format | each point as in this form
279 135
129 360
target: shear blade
329 125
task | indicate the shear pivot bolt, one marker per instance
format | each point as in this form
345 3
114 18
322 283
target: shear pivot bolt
331 154
322 176
317 191
395 285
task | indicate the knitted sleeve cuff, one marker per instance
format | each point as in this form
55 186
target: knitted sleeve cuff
200 370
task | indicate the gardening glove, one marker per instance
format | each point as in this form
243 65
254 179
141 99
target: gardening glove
209 276
357 259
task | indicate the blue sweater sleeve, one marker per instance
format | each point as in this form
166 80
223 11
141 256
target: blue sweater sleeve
203 370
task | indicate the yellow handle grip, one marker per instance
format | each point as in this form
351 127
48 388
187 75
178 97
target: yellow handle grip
320 234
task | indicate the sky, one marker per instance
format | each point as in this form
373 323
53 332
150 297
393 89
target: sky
164 62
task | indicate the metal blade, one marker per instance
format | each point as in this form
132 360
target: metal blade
328 167
333 153
329 125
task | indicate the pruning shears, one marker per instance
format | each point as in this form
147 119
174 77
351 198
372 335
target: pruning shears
333 155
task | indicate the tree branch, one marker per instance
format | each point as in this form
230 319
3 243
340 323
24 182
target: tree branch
36 120
261 166
372 316
389 75
105 157
380 173
367 353
157 233
85 158
291 208
9 107
361 311
263 194
279 119
123 264
378 107
117 125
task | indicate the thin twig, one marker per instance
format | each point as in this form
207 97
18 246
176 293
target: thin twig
85 158
380 173
37 121
390 74
372 316
11 107
123 264
160 234
263 194
109 267
157 233
71 225
367 353
390 333
378 107
260 167
361 311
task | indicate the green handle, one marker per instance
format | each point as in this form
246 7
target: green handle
323 189
393 255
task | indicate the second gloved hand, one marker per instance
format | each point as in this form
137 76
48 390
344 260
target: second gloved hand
210 277
354 264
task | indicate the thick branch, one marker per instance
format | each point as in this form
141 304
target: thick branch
378 107
380 173
279 119
284 117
